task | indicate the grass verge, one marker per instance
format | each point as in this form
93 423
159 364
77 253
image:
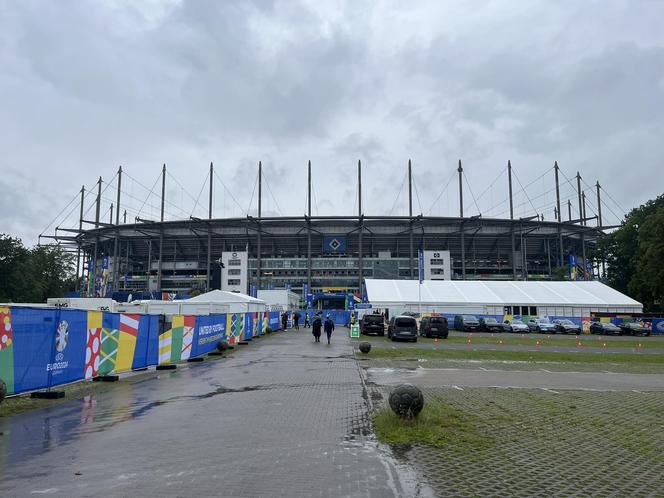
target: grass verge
439 425
527 356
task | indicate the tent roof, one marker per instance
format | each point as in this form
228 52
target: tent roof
219 296
479 292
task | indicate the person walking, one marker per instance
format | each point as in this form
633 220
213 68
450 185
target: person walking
296 320
316 328
307 324
284 320
329 327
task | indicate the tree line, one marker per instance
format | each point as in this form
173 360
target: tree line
31 275
634 254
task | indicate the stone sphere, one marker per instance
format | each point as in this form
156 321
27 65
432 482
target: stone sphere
365 347
3 390
222 346
406 401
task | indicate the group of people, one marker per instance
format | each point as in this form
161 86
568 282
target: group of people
317 326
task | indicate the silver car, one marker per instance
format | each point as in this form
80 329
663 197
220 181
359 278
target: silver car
516 326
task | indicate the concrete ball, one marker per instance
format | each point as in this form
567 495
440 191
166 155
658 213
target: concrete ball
365 347
406 401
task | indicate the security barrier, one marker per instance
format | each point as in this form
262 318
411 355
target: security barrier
42 348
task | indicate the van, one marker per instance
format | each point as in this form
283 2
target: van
402 327
434 326
466 323
372 324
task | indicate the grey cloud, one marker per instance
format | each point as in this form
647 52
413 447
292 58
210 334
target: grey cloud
93 86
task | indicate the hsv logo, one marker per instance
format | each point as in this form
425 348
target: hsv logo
335 244
660 326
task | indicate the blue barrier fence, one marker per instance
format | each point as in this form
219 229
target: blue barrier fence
44 348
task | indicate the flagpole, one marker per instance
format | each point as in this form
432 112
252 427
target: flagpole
420 275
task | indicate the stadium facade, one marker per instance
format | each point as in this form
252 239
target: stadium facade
325 253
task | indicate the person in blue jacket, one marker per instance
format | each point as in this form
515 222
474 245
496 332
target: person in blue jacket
329 327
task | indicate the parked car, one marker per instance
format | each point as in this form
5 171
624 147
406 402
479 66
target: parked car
491 325
516 326
604 328
567 327
402 327
372 324
466 323
633 328
434 326
541 325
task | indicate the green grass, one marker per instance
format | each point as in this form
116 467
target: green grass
587 341
439 425
527 356
542 340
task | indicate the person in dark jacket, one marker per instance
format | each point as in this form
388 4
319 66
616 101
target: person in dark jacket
296 320
329 327
316 328
284 320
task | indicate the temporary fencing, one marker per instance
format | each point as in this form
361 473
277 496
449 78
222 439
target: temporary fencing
42 348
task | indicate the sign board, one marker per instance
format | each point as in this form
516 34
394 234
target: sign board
334 244
355 330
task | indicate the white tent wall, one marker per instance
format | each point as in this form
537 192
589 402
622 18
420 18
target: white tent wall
233 302
553 299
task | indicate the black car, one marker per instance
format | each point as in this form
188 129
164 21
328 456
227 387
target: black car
491 325
372 324
633 328
434 326
466 323
604 328
402 327
567 327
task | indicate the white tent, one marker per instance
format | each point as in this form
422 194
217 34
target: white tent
571 299
234 301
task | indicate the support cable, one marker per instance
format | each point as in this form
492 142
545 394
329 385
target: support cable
267 184
487 189
471 193
442 191
199 195
226 189
251 200
398 193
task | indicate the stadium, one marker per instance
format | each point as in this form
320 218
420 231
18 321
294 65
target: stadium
330 254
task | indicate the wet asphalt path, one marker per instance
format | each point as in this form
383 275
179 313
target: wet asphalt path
283 417
532 379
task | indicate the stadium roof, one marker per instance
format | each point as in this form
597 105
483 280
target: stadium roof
484 292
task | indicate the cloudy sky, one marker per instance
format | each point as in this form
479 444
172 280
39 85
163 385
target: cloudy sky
88 86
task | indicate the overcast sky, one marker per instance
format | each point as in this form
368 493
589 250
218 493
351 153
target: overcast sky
88 86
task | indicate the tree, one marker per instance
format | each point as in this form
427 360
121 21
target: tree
33 275
648 279
632 251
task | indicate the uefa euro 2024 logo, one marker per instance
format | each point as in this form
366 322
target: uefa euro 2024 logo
61 338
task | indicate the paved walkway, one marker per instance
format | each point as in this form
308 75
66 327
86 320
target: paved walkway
283 417
530 379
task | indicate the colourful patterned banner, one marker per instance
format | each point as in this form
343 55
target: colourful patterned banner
6 349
